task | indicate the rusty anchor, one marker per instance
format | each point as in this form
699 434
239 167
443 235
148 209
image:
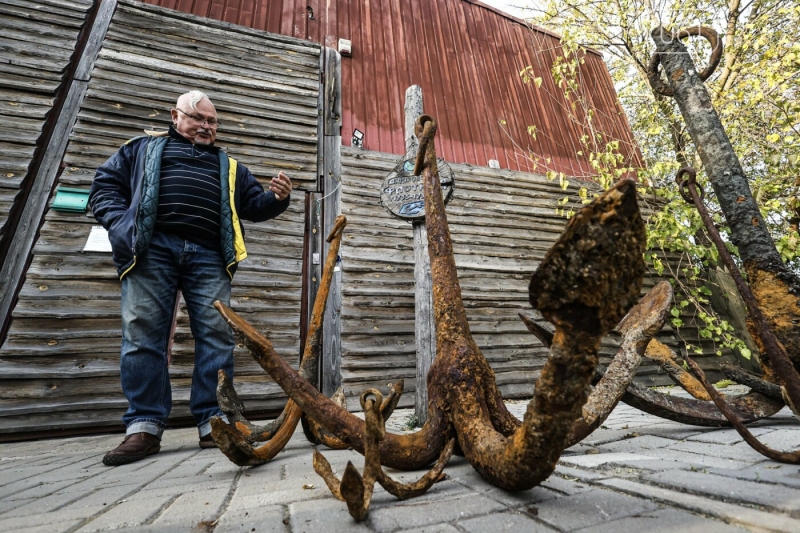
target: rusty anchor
236 439
584 286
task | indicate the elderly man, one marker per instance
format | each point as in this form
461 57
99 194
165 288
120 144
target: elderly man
171 204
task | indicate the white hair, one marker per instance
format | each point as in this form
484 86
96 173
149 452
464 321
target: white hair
194 97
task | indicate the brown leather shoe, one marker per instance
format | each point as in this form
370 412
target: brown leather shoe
133 448
207 442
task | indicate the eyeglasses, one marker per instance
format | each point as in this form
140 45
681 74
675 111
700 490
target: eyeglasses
212 122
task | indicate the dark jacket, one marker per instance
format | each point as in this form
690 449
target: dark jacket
124 199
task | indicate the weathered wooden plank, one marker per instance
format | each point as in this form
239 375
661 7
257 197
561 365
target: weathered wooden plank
20 9
139 31
220 31
330 369
110 70
268 66
289 110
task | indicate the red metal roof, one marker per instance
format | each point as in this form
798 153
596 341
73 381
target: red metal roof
467 58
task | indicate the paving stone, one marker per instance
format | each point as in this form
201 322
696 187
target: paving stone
636 444
721 487
438 528
41 519
276 496
127 513
565 486
193 509
221 466
189 468
730 436
263 478
8 505
414 514
49 474
576 474
734 514
697 461
590 508
58 527
219 477
670 430
442 491
784 440
261 520
600 437
663 521
105 496
49 503
595 460
766 472
744 454
622 467
328 516
502 522
18 472
516 499
168 492
32 488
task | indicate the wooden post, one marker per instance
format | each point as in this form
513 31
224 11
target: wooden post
12 272
425 328
331 208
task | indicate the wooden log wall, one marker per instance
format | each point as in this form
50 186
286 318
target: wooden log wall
37 39
502 223
59 367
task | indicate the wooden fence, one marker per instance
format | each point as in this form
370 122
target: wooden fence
59 366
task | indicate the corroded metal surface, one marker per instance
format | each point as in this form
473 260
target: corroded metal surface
233 407
637 329
775 455
235 440
355 489
743 377
318 434
748 407
668 361
706 33
406 452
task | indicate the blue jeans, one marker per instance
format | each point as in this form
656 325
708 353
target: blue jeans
149 292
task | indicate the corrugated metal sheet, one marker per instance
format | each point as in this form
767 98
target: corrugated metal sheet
37 40
59 367
465 55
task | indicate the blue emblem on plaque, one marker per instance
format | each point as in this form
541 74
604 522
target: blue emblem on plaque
412 209
408 166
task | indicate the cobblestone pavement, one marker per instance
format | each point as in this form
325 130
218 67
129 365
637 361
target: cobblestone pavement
637 473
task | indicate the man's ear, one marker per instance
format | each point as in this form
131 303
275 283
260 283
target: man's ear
174 113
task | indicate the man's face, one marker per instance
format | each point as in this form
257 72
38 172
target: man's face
198 125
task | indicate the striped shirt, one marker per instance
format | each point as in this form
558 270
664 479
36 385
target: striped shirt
189 192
